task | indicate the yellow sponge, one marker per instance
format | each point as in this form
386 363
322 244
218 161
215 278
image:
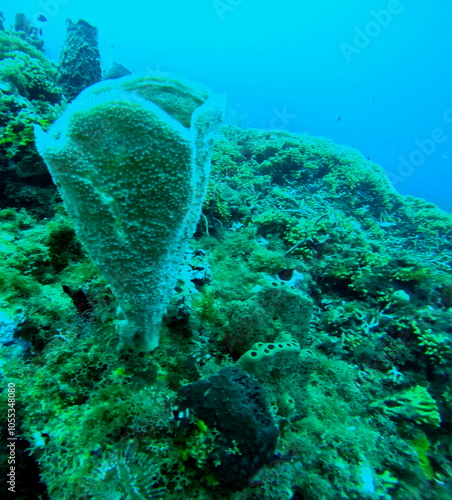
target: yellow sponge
262 358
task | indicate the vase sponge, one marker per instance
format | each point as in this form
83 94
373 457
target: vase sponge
131 158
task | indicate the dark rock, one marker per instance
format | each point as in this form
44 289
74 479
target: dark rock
115 70
234 404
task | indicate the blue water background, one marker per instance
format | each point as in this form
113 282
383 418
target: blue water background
343 69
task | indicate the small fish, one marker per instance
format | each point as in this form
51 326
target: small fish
41 18
338 118
181 416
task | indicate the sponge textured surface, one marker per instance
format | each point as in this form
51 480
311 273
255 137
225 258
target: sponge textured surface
131 158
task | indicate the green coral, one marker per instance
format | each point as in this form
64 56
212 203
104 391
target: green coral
436 345
28 75
415 404
12 42
215 203
274 221
411 273
421 445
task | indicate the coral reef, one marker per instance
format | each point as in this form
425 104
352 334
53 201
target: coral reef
28 95
306 351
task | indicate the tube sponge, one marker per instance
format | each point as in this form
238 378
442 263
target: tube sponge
131 158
